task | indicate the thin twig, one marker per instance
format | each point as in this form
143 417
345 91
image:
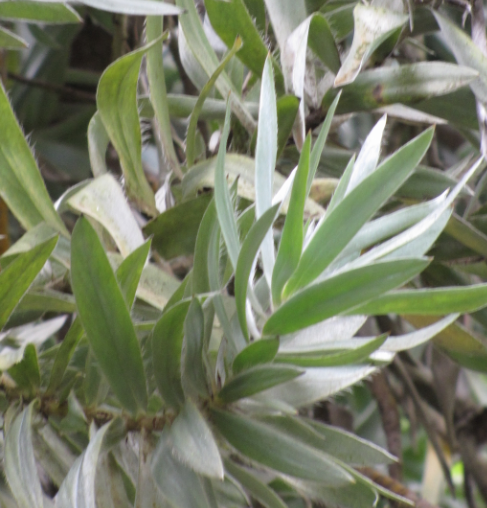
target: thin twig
68 91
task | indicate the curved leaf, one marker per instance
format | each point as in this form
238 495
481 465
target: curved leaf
256 379
194 443
116 99
339 293
20 464
258 352
276 450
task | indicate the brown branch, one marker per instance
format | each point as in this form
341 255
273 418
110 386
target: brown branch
390 420
394 486
67 91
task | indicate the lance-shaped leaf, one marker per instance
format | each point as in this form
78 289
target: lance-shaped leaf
134 7
340 293
256 379
78 488
157 87
193 370
436 301
26 373
466 53
258 352
223 202
276 450
316 384
205 91
355 210
16 278
292 237
98 141
106 318
38 12
130 271
459 343
20 464
21 183
350 448
10 40
231 19
407 84
167 343
373 26
181 486
194 443
248 253
117 105
256 488
202 51
331 359
265 160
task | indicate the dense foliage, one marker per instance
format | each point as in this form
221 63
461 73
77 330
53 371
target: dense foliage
245 254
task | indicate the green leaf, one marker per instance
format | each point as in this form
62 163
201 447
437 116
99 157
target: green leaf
181 486
98 141
193 372
350 448
194 443
130 271
257 489
205 91
256 379
41 12
117 105
287 109
21 183
467 234
10 40
78 488
134 7
200 47
319 145
26 373
16 278
103 200
265 160
64 355
20 464
355 210
167 342
340 293
466 53
315 359
285 16
372 27
232 19
106 318
258 352
431 302
322 42
277 450
157 87
201 283
223 202
248 253
291 245
175 230
459 343
407 84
